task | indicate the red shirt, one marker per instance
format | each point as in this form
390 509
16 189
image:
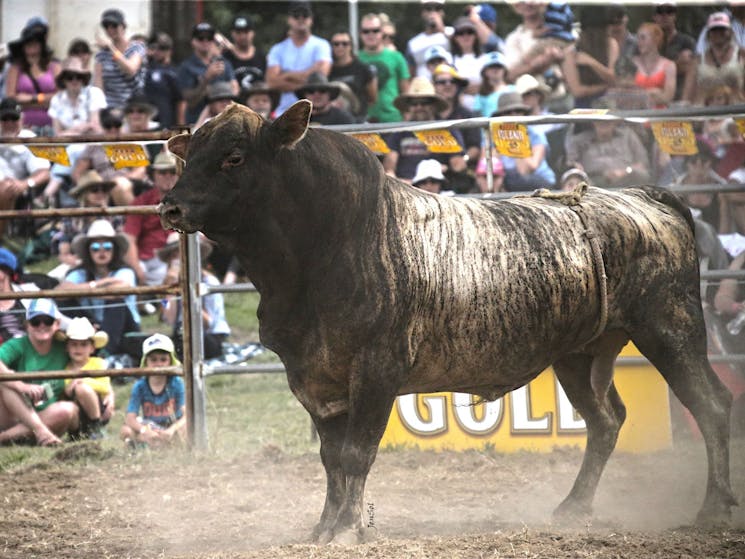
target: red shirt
146 229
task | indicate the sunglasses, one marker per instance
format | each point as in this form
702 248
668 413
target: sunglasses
666 10
389 37
8 118
204 37
340 43
98 246
114 124
140 110
39 320
444 82
68 76
109 24
419 102
97 188
370 30
462 32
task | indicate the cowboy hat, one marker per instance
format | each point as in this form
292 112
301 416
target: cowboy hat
36 29
140 100
99 229
88 179
220 90
72 66
510 101
420 88
528 82
318 82
164 161
80 328
168 251
260 88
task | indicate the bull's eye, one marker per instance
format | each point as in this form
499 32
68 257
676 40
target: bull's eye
232 161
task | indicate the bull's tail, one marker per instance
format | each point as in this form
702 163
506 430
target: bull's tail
670 199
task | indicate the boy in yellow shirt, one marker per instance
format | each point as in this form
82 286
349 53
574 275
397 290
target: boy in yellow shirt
94 396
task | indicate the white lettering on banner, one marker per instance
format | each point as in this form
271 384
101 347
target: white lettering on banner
520 412
569 421
408 411
465 414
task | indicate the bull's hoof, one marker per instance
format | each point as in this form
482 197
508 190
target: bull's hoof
572 512
355 536
714 517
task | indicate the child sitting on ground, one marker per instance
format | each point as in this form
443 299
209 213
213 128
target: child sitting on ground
161 398
94 396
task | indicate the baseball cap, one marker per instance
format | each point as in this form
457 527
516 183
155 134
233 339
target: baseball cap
718 19
243 23
112 16
42 307
428 169
10 107
157 342
300 9
8 259
487 13
438 51
203 28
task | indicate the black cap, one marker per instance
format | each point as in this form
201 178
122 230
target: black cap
112 16
202 29
111 117
300 9
10 107
243 23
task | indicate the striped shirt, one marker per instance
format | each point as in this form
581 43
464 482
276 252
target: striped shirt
117 86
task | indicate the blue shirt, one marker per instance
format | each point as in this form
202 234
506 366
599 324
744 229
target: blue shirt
96 305
290 57
188 76
542 177
164 408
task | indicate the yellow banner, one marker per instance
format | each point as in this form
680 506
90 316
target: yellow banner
439 141
127 155
373 142
741 126
537 417
51 152
511 139
675 138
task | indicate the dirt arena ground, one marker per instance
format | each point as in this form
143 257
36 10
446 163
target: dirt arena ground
89 502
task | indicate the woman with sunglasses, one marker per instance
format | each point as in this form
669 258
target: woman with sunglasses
466 48
101 251
75 108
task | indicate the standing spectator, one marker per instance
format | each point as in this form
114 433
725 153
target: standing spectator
11 310
205 66
484 18
321 93
359 77
388 29
655 74
419 104
391 70
534 93
435 34
219 96
161 82
48 418
75 108
494 76
261 99
526 173
249 62
20 170
119 68
290 62
80 48
31 75
160 398
94 396
144 232
101 252
618 21
465 46
678 47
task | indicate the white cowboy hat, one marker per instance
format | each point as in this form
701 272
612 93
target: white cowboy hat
80 328
99 229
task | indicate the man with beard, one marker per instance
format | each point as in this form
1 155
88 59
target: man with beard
249 62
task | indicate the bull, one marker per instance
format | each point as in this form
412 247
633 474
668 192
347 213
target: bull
371 289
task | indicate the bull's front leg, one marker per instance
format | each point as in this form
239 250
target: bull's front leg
331 432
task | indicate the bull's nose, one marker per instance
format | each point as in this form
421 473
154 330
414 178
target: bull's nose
170 214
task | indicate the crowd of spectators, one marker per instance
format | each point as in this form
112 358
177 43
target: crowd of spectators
117 83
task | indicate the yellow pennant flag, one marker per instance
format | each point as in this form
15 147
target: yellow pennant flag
126 155
373 142
511 139
741 126
675 138
51 152
439 141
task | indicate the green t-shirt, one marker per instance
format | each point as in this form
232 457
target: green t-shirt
19 355
391 66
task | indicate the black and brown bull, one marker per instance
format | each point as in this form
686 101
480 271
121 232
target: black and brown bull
371 289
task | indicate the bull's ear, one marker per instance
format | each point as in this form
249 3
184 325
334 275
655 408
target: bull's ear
291 127
178 145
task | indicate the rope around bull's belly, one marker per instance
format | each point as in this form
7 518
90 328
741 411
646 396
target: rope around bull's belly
573 201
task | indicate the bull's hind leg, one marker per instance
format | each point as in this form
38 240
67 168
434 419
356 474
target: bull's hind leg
677 348
331 432
604 413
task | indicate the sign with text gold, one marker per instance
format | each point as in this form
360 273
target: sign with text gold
537 417
53 153
439 141
126 155
511 139
374 143
741 126
675 138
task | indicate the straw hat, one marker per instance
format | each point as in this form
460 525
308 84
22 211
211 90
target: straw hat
420 88
72 66
528 82
99 229
510 101
88 179
80 328
163 161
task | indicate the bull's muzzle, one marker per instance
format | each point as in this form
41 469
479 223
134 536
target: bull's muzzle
171 216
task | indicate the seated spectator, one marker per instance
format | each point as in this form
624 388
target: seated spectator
493 83
31 75
156 412
261 99
420 103
219 96
75 108
139 115
119 68
436 55
711 207
11 310
482 173
388 30
321 93
429 177
610 153
362 79
572 178
101 252
526 173
735 202
655 75
720 132
33 408
94 396
215 325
